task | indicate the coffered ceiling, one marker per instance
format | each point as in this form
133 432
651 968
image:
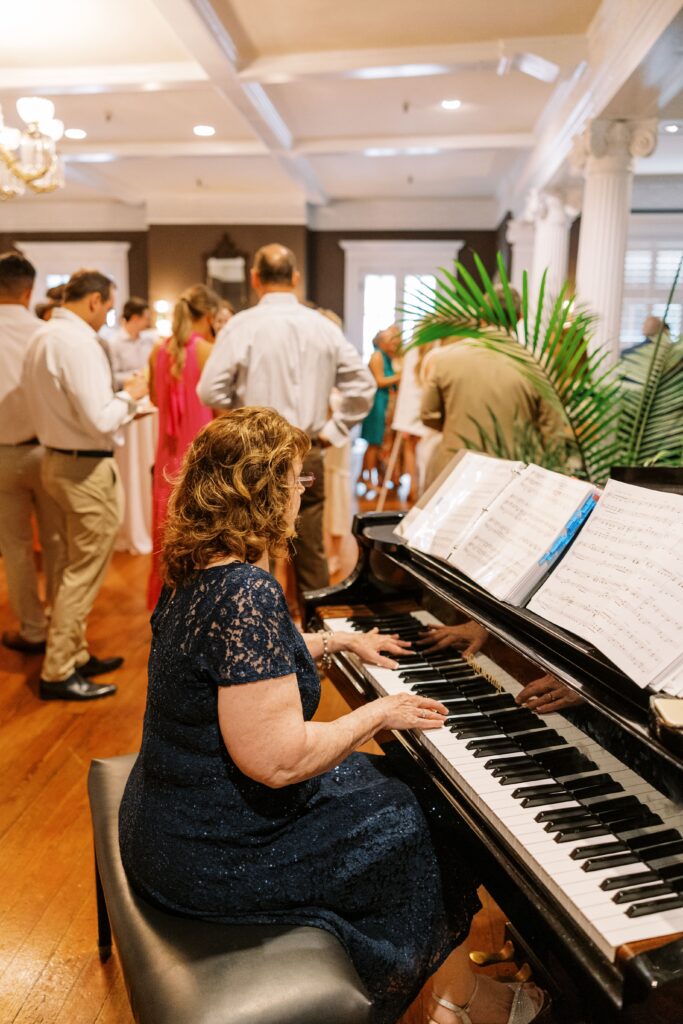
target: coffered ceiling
315 103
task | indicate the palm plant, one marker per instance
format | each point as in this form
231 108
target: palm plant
610 417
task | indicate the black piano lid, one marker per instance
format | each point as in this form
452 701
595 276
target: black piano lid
575 662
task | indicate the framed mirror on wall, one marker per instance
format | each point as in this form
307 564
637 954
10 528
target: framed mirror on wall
226 272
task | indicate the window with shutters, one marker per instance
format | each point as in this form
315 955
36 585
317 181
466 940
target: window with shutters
649 270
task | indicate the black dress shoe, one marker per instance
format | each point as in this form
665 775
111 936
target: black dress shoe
99 666
75 688
17 642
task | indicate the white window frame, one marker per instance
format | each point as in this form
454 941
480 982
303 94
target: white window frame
388 256
653 231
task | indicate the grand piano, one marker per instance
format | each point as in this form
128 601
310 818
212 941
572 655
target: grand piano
575 818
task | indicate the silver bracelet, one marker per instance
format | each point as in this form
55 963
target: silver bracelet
326 659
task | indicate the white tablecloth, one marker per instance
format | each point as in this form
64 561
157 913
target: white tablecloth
135 460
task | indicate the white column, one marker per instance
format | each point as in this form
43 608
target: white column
605 151
553 220
520 236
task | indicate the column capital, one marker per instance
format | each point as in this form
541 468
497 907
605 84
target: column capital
613 143
549 205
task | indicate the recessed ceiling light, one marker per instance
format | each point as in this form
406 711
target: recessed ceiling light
671 128
451 104
75 133
204 130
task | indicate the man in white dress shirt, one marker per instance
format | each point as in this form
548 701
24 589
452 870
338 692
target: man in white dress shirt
287 356
77 416
130 345
21 491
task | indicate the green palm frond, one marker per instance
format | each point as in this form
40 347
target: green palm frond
554 357
651 423
527 444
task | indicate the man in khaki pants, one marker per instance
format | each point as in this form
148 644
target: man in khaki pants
22 494
67 380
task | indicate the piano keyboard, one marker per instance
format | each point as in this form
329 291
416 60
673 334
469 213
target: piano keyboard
603 842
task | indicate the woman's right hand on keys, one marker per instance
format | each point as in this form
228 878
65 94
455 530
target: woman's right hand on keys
409 711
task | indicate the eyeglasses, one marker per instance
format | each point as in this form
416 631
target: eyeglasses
306 481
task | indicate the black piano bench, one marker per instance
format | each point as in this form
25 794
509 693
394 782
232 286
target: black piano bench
180 971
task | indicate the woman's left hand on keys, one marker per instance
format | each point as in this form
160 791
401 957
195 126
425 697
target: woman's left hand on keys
369 647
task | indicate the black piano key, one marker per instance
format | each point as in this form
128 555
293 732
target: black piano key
655 906
669 835
616 860
582 821
572 835
462 732
439 673
511 778
633 879
620 803
565 762
544 801
636 819
495 702
564 815
549 790
598 849
593 785
641 892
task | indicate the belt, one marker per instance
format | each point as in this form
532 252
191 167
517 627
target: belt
80 453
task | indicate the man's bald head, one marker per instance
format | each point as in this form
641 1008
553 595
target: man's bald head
274 268
652 326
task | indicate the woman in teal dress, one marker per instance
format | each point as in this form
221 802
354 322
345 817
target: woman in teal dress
387 344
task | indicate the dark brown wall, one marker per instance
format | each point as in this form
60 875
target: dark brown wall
176 252
502 244
137 254
326 257
573 252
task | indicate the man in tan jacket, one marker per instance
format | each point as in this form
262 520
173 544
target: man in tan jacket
469 385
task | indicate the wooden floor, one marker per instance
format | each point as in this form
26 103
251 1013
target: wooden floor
49 969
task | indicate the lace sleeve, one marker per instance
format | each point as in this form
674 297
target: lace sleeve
251 635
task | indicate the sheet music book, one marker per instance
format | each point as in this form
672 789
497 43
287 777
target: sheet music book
457 500
620 586
523 532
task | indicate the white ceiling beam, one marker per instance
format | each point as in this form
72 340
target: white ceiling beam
87 174
102 78
409 61
104 152
413 145
214 40
619 38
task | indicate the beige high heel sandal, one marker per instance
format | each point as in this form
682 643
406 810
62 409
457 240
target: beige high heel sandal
522 1011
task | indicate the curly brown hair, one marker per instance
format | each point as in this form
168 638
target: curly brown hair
233 493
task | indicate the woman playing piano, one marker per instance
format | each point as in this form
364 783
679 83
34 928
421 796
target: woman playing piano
240 808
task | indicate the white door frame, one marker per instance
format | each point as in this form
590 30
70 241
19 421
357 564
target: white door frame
110 258
387 257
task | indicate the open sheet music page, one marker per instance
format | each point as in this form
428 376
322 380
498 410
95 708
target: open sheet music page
520 527
620 586
405 528
459 503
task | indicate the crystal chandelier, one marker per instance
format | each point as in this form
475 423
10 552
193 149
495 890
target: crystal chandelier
28 155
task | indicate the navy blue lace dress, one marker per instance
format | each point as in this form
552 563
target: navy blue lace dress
349 851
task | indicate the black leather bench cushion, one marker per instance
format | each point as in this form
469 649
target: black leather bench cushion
180 971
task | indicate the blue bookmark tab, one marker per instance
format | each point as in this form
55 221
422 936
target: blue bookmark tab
571 529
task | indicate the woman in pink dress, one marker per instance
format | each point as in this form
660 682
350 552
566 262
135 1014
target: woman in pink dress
175 366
